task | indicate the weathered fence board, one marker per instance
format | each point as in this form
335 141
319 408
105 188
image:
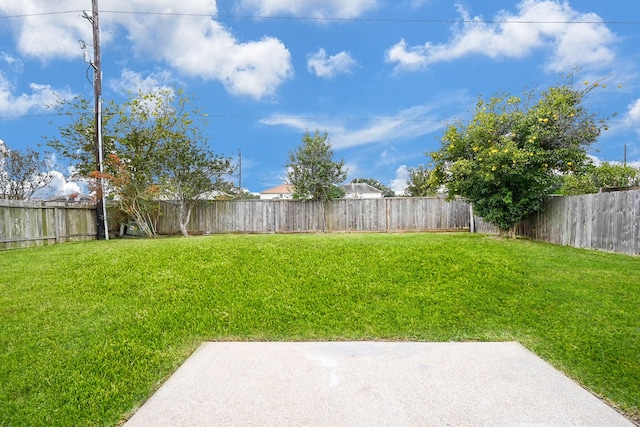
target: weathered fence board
343 215
605 221
24 223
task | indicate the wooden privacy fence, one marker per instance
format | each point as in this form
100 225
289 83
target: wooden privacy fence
605 221
24 223
343 215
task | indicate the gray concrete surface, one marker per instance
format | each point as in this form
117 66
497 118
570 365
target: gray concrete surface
370 384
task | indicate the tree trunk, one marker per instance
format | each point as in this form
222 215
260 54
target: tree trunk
184 214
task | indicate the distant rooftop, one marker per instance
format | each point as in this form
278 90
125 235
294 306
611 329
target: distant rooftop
280 189
360 188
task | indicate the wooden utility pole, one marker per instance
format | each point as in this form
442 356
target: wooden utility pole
101 208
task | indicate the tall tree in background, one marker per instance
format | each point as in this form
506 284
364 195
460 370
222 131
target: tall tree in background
421 183
313 172
594 178
22 173
511 156
386 191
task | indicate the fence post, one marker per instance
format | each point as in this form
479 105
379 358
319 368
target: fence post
386 215
56 214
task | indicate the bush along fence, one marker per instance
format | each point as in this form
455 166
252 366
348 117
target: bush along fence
25 223
604 221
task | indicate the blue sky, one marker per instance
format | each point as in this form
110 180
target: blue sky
382 77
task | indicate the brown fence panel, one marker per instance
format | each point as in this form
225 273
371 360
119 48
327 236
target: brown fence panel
605 221
27 223
426 214
357 215
343 215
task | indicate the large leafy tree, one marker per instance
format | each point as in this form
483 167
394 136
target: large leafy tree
22 173
313 172
155 148
511 156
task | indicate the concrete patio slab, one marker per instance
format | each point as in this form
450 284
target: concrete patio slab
370 384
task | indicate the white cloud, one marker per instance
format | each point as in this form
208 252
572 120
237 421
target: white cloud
413 58
409 123
59 186
201 47
635 164
542 24
193 45
418 3
329 66
132 82
41 96
15 64
598 161
309 8
48 36
632 118
399 183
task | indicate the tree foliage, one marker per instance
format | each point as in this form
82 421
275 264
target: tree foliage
594 178
511 156
421 183
192 172
136 196
155 149
386 191
76 139
313 172
22 173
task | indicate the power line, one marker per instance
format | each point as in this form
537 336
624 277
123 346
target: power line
286 117
255 117
28 15
380 20
328 19
32 116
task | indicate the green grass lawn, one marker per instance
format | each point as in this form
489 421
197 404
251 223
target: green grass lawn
88 331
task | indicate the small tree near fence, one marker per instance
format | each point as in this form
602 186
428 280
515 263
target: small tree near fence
313 172
193 172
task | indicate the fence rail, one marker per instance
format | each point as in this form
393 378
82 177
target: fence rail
25 223
604 221
343 215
